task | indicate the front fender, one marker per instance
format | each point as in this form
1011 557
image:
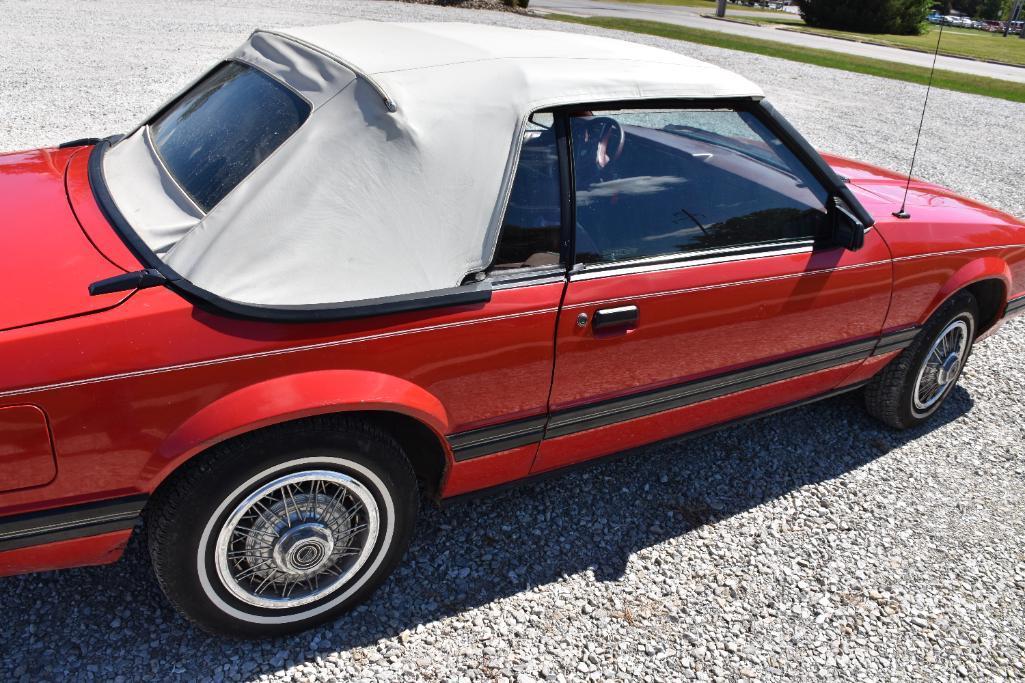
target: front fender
291 397
984 268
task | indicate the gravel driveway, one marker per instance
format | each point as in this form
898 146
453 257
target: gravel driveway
813 544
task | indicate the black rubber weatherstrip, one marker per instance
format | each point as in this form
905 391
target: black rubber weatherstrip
489 440
64 523
464 295
542 476
80 142
1015 305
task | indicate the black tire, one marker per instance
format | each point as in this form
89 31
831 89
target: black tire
890 395
192 519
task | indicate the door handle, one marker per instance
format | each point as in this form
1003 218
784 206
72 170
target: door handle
623 316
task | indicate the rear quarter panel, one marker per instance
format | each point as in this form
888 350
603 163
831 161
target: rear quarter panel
134 391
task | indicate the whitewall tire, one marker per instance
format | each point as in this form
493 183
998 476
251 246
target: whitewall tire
283 528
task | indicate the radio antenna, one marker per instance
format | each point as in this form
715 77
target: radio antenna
903 213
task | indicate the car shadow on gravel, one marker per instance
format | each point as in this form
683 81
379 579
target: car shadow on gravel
113 620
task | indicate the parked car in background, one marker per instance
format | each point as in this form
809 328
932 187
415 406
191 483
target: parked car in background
328 276
958 22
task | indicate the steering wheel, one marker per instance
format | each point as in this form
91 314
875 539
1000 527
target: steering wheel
600 141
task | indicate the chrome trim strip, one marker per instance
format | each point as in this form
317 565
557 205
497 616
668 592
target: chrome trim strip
698 254
267 354
723 285
88 521
661 263
526 277
147 138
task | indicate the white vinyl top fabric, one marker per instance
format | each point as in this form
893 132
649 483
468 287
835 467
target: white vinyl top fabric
397 181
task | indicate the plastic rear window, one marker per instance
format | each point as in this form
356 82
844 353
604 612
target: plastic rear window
222 128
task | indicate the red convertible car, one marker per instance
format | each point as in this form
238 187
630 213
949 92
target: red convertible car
350 263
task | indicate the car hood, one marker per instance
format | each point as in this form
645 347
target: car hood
46 258
881 192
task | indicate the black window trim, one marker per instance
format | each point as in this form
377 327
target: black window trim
472 293
767 115
567 190
525 276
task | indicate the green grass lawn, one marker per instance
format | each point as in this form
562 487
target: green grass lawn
957 42
948 80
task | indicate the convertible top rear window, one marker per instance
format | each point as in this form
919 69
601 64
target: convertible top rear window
222 128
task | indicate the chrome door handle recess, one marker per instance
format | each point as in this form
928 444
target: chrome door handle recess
622 316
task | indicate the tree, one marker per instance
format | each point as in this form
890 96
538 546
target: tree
989 9
978 9
867 16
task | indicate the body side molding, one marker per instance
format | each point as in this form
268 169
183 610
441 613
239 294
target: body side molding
1015 305
559 471
895 341
73 521
497 438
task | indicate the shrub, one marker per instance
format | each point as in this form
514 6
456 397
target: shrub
866 16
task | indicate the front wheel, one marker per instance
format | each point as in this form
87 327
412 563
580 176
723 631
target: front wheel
915 384
284 528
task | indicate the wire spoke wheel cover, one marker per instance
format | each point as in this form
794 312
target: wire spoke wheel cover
297 539
941 367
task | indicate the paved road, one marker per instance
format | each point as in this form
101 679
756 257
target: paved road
692 17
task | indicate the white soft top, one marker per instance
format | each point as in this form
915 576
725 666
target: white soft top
397 181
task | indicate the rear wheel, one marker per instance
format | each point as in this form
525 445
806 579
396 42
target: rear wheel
285 528
916 383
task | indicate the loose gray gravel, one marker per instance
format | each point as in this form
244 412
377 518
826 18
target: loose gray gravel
810 545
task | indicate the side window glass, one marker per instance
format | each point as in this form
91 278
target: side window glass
652 183
531 229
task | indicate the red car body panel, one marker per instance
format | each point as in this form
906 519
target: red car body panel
950 242
76 552
768 308
25 448
574 448
43 244
148 380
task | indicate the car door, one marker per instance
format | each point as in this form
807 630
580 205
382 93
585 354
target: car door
704 288
527 269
